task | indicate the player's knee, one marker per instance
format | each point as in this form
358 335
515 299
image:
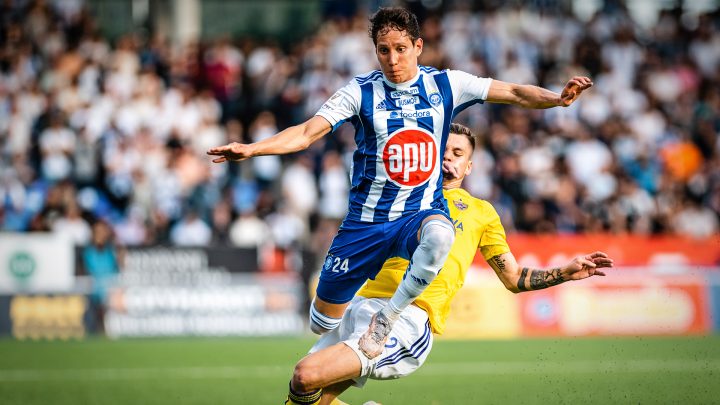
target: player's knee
436 239
321 323
305 377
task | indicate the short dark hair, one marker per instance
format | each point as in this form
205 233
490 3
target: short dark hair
458 129
394 18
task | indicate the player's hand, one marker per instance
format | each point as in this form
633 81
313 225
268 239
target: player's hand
231 152
573 88
587 266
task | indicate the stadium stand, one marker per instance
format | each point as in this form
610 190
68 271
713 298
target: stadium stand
93 129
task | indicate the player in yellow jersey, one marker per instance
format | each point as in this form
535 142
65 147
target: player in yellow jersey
335 362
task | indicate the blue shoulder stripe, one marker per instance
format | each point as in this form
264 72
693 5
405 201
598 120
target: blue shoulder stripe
428 69
376 74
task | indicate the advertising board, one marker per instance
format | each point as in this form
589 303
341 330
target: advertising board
660 253
627 305
36 263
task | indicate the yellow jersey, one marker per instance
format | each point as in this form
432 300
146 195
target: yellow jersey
477 226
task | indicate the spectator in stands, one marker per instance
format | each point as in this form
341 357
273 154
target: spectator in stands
191 230
101 261
249 231
72 225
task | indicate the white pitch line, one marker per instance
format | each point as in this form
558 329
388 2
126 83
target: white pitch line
580 367
461 368
145 373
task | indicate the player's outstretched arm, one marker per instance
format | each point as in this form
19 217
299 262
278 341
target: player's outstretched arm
517 279
529 96
292 139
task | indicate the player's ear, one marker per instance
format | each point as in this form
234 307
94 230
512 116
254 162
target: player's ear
419 46
469 168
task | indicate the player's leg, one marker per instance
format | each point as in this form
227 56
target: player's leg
358 251
435 238
409 345
336 361
325 316
329 362
326 367
330 394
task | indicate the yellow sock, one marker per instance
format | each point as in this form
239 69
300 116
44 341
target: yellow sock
337 401
310 398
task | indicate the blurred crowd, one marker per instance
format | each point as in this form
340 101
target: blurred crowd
94 130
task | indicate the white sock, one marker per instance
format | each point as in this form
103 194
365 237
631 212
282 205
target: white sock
436 239
321 323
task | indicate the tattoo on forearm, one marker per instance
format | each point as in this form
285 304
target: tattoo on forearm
499 262
540 279
521 280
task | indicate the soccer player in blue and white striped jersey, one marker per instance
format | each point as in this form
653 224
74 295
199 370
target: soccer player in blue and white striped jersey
402 115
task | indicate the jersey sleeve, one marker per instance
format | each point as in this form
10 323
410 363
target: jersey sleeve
468 89
344 104
493 241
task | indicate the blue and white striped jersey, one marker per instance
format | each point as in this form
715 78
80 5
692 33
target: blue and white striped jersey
400 132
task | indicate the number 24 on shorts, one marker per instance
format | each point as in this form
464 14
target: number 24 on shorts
337 264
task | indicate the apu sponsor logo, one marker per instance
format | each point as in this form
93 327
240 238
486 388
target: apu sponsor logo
410 114
408 92
407 101
409 157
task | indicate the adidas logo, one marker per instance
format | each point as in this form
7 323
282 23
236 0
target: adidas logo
419 280
381 106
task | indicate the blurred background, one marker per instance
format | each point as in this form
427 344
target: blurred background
115 222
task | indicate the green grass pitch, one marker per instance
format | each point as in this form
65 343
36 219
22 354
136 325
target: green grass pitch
639 370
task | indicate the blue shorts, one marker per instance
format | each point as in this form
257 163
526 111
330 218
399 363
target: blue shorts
360 249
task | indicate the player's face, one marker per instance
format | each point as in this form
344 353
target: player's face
398 55
456 162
